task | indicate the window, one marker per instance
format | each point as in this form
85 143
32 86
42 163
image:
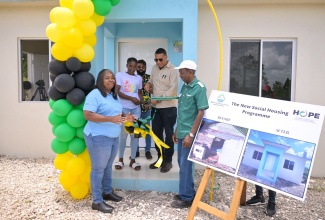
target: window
262 68
34 59
257 155
288 164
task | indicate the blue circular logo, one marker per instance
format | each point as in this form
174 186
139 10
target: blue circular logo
221 98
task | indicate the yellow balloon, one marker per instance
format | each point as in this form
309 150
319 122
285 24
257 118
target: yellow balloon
52 14
85 176
64 17
75 166
67 180
61 52
85 53
54 33
66 3
72 38
91 40
85 157
86 26
61 160
79 190
99 20
83 8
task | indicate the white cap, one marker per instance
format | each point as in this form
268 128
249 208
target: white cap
189 64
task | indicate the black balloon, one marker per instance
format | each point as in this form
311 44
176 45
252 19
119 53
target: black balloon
57 67
85 67
75 96
55 94
52 78
84 81
73 64
64 83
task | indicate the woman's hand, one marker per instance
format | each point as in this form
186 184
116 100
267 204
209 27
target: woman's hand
118 119
130 118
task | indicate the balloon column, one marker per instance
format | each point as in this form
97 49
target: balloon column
73 33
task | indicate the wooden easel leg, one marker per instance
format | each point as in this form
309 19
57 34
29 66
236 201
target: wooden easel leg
199 193
243 195
236 199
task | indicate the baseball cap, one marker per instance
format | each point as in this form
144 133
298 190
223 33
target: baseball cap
189 64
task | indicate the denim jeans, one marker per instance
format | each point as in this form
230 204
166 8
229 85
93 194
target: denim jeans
164 119
148 137
134 141
259 192
186 179
102 151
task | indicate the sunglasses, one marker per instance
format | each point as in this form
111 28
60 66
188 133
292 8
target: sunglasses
160 60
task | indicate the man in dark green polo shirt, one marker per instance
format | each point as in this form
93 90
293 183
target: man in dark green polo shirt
191 105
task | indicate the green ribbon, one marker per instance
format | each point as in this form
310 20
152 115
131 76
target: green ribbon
164 98
141 123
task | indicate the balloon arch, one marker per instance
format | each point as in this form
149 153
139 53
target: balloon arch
73 32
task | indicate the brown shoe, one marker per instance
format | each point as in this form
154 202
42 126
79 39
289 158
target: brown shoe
166 166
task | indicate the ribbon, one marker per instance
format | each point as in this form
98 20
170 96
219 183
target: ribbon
140 128
164 98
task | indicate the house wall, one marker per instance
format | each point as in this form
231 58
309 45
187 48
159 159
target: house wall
296 174
25 130
303 22
248 156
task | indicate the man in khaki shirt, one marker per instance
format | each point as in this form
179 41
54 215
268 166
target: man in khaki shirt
163 83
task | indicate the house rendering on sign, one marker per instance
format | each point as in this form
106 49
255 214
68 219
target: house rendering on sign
272 161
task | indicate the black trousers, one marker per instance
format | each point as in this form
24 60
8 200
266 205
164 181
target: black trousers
164 119
259 192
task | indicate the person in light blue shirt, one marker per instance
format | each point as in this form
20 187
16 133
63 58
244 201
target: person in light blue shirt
103 111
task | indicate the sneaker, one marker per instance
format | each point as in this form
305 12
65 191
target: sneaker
165 167
180 204
270 209
177 197
256 200
148 155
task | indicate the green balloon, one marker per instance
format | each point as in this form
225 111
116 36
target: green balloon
62 107
77 146
53 129
51 103
54 119
64 132
59 147
102 7
76 118
115 2
80 106
80 132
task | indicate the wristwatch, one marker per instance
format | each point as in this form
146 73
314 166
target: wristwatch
191 135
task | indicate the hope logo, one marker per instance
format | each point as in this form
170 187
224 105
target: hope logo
303 114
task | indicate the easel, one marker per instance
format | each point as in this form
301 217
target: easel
239 196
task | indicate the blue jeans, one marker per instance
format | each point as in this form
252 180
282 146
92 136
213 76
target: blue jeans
134 141
102 151
148 137
259 192
186 180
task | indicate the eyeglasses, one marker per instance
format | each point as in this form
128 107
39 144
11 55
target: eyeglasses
160 60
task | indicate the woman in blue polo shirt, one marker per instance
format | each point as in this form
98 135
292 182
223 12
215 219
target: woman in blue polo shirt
104 113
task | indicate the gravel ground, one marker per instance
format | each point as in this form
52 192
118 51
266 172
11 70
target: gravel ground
29 189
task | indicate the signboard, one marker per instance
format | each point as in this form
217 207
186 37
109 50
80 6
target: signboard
265 141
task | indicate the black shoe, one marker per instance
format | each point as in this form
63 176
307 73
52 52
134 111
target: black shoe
256 200
102 207
165 167
112 196
270 209
180 204
152 166
148 155
177 197
137 154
